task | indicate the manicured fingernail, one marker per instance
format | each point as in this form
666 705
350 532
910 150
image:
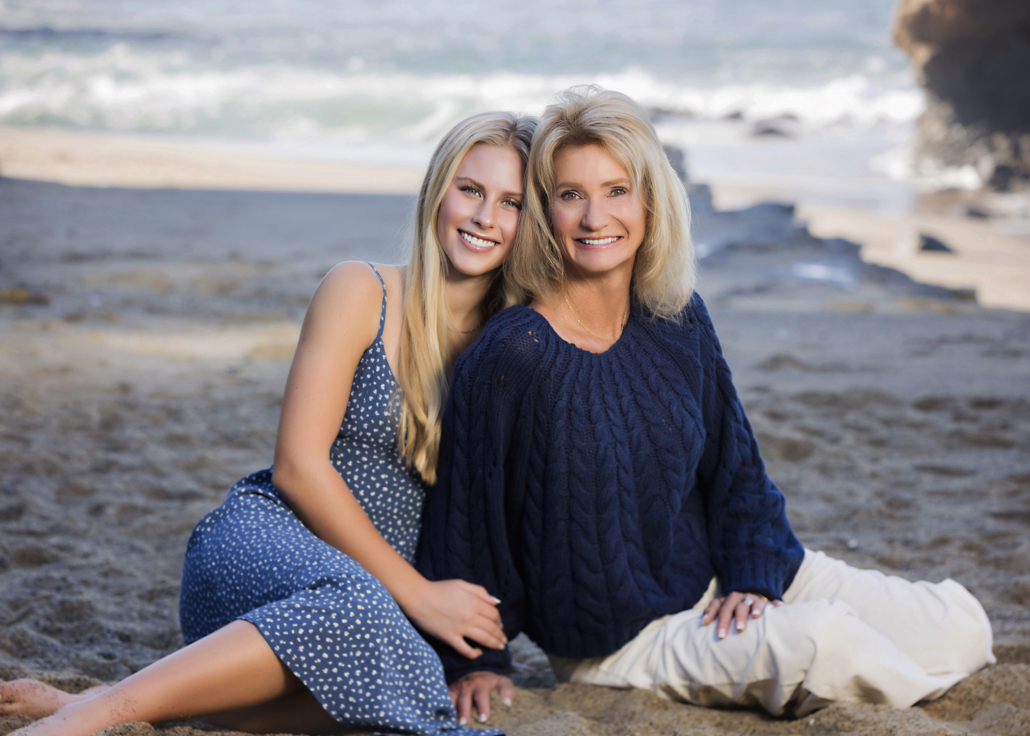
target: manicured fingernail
495 599
482 717
507 702
462 721
722 633
741 625
756 614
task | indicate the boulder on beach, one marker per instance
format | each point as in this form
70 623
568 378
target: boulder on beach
973 58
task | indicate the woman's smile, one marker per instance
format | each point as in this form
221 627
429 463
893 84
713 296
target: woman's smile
599 242
477 243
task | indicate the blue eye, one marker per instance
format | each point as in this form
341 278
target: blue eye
470 190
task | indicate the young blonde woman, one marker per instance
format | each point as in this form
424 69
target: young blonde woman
595 443
297 592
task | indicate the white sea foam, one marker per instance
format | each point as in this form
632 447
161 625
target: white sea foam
901 164
123 89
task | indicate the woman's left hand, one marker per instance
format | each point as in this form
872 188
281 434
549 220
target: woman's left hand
738 608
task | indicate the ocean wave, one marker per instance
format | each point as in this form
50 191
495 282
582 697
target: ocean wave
123 88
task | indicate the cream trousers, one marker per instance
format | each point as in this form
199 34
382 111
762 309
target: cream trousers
845 635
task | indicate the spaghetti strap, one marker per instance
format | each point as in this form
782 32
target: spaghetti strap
382 313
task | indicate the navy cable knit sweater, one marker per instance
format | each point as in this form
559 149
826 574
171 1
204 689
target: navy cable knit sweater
594 493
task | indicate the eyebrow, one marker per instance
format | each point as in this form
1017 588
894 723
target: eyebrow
475 183
614 182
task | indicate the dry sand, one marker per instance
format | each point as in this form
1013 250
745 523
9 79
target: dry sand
145 338
155 162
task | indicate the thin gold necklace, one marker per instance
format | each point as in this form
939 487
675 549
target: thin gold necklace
625 319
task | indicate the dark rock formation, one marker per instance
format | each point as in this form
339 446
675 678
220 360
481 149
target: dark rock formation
765 252
782 126
973 58
933 245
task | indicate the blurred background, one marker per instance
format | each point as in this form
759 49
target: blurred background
886 122
809 97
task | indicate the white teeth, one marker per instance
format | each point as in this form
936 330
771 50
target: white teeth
478 242
600 241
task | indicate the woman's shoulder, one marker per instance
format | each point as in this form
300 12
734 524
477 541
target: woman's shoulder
361 278
509 339
351 292
512 327
512 318
690 320
689 332
694 311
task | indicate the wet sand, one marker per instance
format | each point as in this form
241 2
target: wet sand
145 337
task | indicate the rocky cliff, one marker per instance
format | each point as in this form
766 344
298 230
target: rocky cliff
973 58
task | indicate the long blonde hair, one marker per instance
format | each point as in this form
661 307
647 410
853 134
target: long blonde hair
422 371
665 270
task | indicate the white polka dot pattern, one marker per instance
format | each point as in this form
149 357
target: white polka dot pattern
365 451
331 622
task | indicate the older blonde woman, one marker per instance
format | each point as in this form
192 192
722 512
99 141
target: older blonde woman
599 476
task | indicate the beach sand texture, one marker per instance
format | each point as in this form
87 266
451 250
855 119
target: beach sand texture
145 337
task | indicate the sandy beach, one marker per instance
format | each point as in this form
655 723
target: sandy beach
150 299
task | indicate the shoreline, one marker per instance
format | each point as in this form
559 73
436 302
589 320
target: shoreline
138 161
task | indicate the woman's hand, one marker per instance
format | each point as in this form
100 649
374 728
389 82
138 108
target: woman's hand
476 688
451 610
739 607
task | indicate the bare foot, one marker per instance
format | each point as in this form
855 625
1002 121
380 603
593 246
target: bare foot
37 699
86 716
81 717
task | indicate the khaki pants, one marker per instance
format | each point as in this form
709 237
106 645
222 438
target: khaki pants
846 635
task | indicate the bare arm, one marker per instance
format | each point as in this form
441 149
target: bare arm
341 322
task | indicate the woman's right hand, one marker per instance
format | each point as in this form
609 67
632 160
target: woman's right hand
451 610
736 607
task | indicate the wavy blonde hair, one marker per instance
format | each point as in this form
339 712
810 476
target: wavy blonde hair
424 366
665 270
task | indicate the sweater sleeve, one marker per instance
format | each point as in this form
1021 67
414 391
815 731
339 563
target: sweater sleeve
752 546
464 532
